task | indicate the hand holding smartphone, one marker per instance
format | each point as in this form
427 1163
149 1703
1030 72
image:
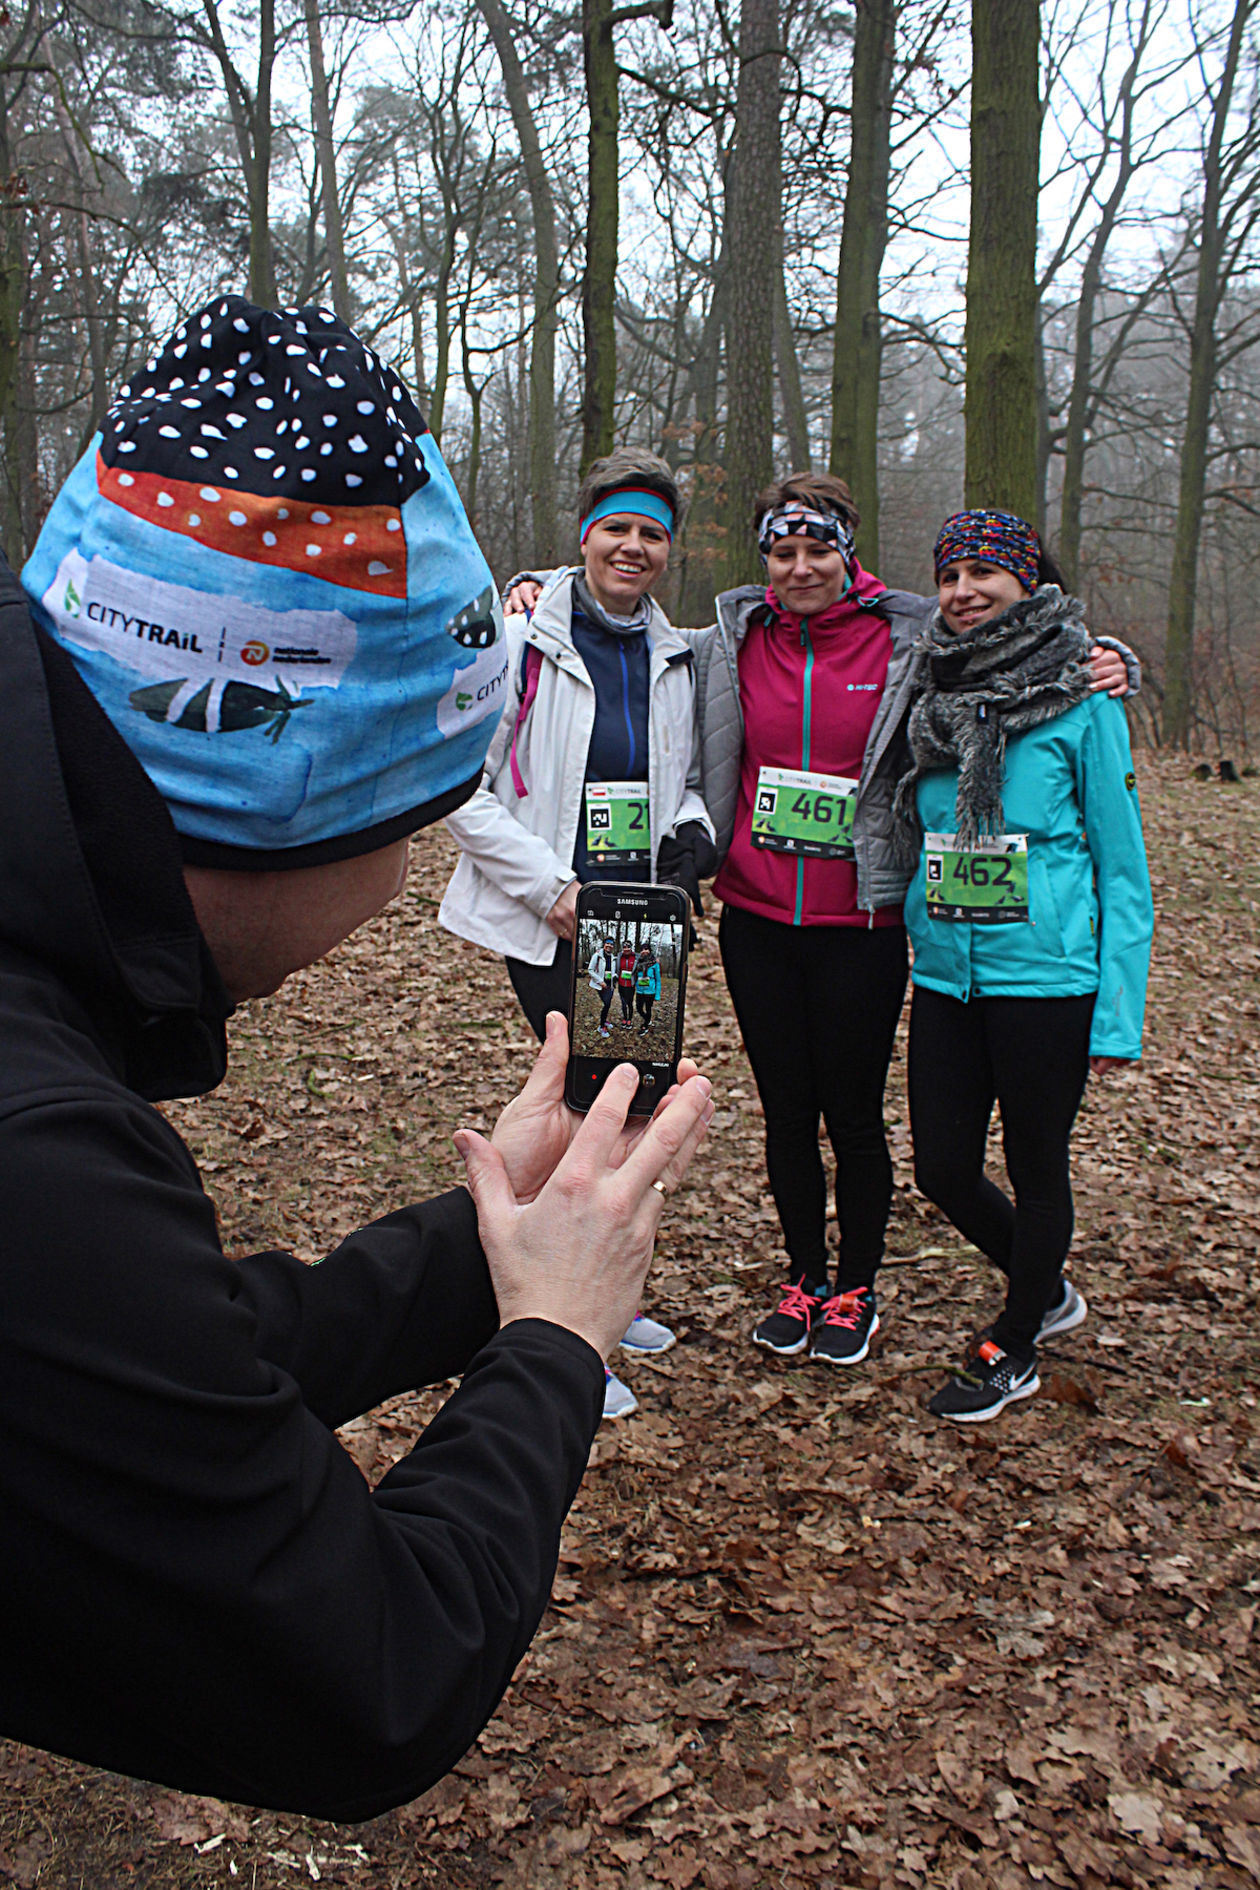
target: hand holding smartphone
629 987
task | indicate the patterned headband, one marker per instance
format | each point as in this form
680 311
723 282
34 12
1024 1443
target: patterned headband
991 538
797 520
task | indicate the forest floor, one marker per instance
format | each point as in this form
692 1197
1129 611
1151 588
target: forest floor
801 1634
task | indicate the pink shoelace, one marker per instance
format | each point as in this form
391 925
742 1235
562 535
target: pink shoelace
797 1304
845 1309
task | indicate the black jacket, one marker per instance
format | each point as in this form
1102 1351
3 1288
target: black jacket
196 1585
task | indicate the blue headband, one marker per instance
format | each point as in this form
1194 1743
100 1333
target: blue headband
637 503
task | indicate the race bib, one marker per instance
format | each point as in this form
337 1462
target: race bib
984 884
617 826
809 814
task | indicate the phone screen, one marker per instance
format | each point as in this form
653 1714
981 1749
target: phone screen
629 987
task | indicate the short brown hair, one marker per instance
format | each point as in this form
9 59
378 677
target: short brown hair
821 491
629 466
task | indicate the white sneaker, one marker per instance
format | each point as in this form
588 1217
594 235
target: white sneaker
647 1335
1068 1312
619 1400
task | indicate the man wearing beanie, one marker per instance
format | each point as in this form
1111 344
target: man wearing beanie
256 648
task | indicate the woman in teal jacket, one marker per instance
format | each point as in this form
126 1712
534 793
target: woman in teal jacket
1030 916
647 986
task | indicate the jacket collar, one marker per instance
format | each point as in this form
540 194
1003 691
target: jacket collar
551 628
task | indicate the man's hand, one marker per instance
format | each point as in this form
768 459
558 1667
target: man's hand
578 1254
522 597
563 915
1109 670
535 1130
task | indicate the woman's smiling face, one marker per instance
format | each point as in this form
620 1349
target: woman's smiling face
806 575
623 556
970 591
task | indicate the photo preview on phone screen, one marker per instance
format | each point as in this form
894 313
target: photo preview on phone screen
629 979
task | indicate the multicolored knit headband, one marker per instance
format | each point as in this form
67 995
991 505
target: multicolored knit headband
796 520
991 538
635 502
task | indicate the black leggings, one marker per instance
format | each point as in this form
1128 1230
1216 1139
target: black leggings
543 988
1031 1057
643 1004
818 1007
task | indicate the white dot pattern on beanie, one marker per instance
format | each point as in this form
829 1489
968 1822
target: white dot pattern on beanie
354 429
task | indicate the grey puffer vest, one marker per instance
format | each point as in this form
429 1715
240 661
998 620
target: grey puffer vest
882 879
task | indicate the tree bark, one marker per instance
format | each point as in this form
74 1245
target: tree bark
795 421
863 240
251 124
1001 335
702 532
13 263
1209 288
542 353
599 282
754 242
326 152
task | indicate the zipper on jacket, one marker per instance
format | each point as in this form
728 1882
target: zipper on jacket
807 708
625 707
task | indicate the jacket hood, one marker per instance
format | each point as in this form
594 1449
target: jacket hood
94 899
907 612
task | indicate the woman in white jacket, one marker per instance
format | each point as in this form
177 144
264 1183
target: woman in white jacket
599 690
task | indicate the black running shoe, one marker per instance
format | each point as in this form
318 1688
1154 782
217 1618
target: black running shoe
1068 1312
989 1381
845 1327
786 1331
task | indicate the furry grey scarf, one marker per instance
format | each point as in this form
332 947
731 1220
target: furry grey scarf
1009 673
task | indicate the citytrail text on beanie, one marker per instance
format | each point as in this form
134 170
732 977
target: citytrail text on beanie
263 570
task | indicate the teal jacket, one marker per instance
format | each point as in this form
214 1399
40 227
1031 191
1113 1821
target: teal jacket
1069 785
647 979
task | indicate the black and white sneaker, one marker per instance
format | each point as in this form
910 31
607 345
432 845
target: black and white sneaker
1068 1312
846 1325
989 1381
786 1331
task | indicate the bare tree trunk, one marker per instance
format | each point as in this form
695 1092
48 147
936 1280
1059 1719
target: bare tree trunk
863 240
1209 288
262 278
796 425
755 244
474 393
1001 336
698 578
542 355
1075 436
442 338
326 152
251 124
13 263
599 282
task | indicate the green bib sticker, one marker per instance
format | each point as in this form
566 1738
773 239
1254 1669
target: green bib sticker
807 814
617 826
984 884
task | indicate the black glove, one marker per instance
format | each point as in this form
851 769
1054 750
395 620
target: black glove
685 858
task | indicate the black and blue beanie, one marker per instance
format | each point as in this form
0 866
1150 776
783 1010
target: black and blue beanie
263 571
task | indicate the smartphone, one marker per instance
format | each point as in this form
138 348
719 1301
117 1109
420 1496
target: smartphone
629 987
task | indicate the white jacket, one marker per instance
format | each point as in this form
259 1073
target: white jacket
517 851
602 967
